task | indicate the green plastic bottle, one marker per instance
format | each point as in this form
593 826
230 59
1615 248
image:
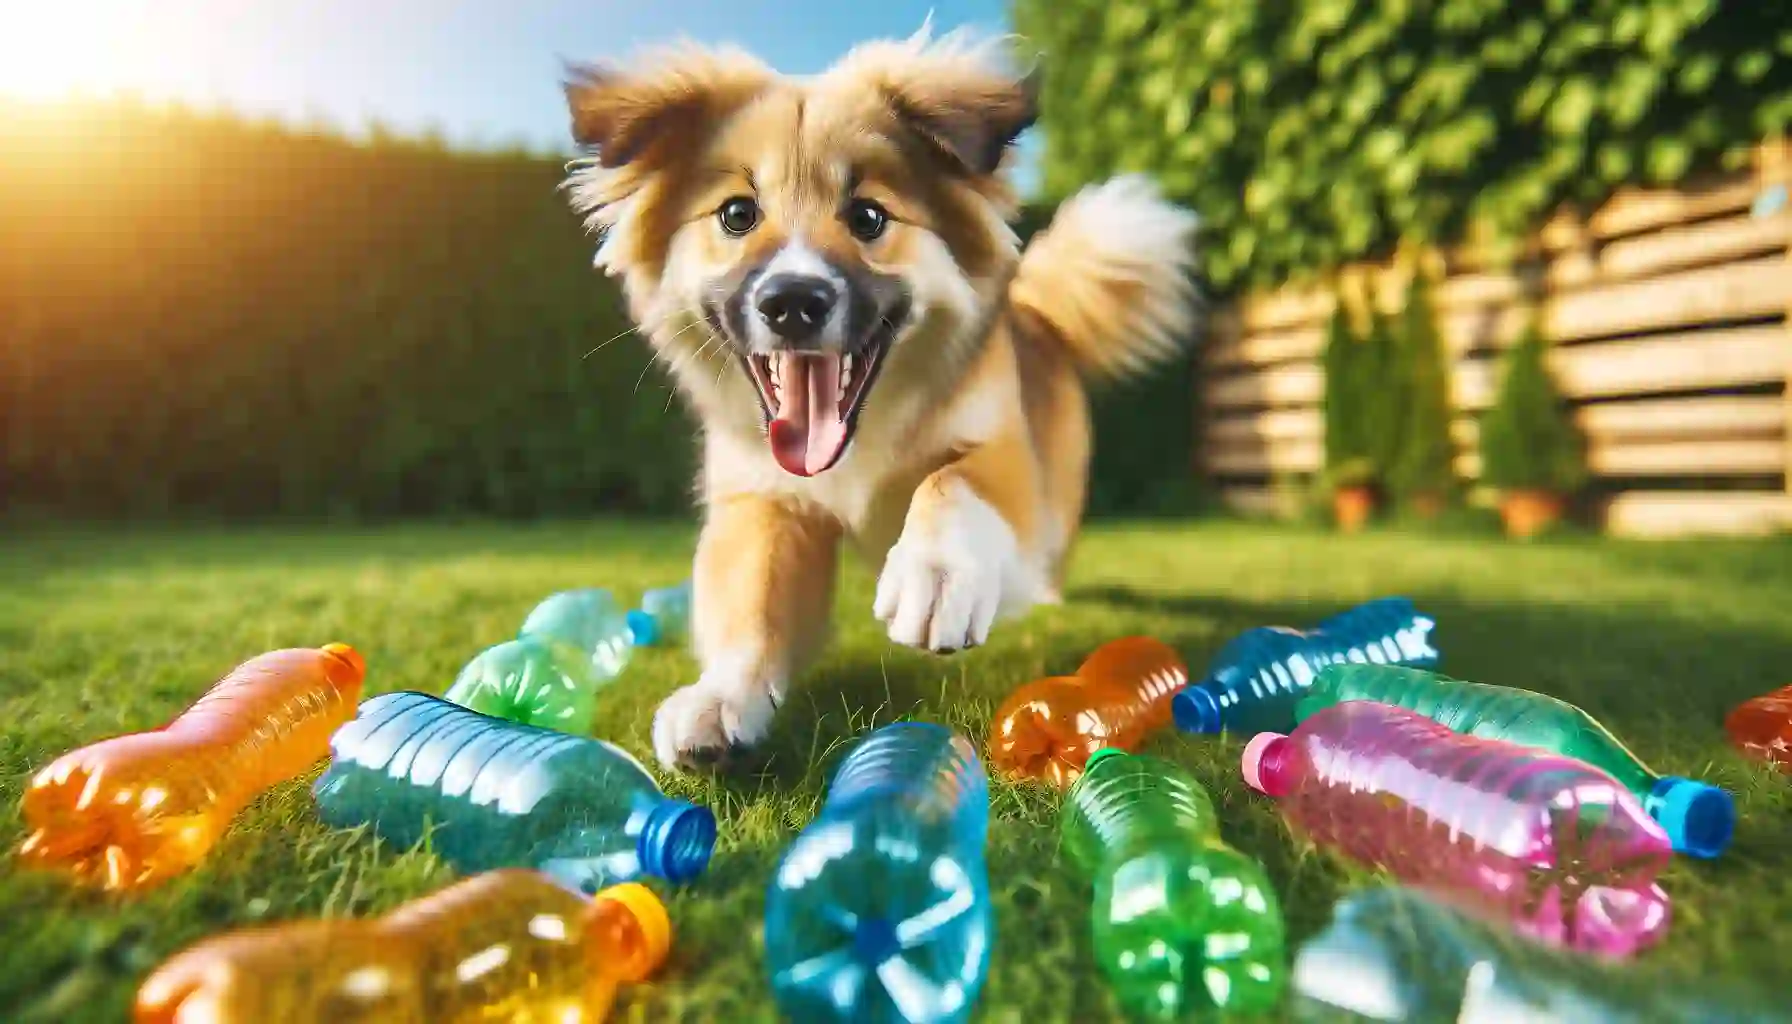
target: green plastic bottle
1183 924
1698 818
571 646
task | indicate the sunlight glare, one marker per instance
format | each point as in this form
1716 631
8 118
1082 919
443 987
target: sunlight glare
80 48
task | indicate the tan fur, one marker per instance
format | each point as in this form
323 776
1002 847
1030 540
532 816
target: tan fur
965 481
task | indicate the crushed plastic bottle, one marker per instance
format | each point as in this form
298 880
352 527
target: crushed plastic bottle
1047 728
506 945
1396 955
494 794
1762 727
1255 680
1698 818
571 646
664 616
1182 922
1554 844
131 811
879 911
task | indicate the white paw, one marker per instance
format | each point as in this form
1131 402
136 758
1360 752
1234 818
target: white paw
722 711
950 576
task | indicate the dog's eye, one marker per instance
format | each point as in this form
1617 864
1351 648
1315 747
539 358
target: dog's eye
865 219
738 215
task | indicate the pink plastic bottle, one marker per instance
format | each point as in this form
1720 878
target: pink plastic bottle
1554 843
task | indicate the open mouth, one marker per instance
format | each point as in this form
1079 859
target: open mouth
812 400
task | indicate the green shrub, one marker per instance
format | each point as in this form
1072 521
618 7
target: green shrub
1385 394
1312 133
1529 441
1349 453
1424 465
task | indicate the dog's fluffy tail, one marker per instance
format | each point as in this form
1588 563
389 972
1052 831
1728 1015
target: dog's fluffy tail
1111 278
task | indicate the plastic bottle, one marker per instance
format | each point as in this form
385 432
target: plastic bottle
879 910
1762 727
1048 728
1256 678
1697 817
664 616
1554 844
1393 954
494 794
133 810
570 647
1181 922
501 946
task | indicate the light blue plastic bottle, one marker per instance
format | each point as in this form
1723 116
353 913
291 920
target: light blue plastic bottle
1255 681
494 794
664 616
879 910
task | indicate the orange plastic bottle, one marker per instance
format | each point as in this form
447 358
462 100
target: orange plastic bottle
1048 728
133 810
507 945
1762 727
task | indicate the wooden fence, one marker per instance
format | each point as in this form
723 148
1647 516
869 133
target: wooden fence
1667 313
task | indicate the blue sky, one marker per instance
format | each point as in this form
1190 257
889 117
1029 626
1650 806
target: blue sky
482 71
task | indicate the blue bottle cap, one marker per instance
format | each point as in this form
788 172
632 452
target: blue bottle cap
677 840
1698 818
643 628
1196 710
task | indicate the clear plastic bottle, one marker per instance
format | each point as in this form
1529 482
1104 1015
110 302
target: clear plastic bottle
131 811
1554 844
1762 727
1182 923
1698 818
1255 680
664 616
571 646
879 911
506 945
494 794
1121 693
1393 954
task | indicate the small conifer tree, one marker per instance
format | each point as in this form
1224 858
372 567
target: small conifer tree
1347 456
1383 394
1424 457
1529 442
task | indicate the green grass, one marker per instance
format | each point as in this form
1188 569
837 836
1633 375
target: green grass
106 632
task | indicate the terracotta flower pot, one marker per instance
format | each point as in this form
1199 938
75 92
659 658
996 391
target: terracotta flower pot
1528 513
1351 507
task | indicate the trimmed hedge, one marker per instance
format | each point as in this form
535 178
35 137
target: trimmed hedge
1312 133
201 316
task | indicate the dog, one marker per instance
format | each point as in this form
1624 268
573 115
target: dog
827 267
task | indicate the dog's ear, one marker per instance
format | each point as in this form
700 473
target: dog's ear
635 116
970 117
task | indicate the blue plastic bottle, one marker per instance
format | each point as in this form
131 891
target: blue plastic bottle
500 795
664 616
879 911
1255 680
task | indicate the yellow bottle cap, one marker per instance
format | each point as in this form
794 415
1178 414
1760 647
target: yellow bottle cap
350 655
650 915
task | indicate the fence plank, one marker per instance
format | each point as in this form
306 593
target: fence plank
1680 513
1732 416
1291 384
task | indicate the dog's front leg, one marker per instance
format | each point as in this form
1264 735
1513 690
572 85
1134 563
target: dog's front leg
965 555
762 591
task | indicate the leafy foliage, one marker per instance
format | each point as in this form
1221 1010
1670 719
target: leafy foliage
1424 463
1385 390
1315 132
1528 439
1349 457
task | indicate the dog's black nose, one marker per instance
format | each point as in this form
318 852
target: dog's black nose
795 306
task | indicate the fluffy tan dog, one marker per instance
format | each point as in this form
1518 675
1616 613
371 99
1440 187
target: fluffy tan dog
827 267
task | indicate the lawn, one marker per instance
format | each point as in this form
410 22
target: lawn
106 632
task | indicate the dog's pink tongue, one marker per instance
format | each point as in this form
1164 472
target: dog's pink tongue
809 433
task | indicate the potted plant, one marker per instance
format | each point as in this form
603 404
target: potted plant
1422 470
1531 451
1349 462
